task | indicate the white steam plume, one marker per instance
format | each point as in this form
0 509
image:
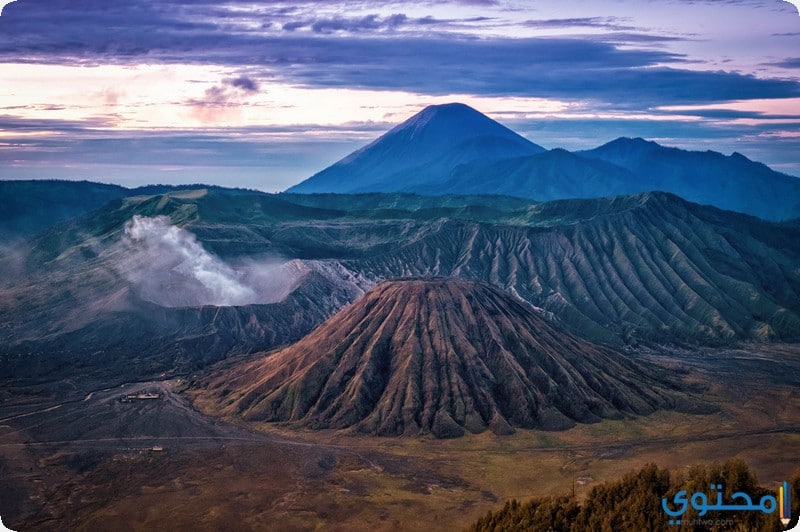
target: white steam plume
168 266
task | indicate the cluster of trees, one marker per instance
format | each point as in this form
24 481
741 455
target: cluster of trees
634 503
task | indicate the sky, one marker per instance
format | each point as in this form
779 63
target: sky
264 94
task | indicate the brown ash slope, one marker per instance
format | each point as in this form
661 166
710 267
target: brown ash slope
439 356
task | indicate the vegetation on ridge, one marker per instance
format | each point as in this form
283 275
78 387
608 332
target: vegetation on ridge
633 504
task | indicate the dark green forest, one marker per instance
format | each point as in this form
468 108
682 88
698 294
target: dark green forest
634 503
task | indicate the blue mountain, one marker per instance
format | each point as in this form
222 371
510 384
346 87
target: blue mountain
454 149
732 182
421 153
551 175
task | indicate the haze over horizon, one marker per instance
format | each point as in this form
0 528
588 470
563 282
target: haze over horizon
263 95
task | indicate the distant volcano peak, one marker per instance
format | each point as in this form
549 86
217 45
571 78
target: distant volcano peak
454 121
446 111
423 150
445 108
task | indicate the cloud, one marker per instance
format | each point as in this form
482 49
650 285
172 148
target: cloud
223 101
361 52
168 266
587 22
566 69
792 62
351 25
263 158
23 124
244 83
729 114
295 25
430 20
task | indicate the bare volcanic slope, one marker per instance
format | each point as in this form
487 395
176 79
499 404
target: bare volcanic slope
440 356
645 268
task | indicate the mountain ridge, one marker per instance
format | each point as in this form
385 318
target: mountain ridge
730 182
32 206
402 160
547 176
643 269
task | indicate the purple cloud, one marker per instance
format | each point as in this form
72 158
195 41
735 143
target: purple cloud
244 83
351 25
586 22
218 101
360 52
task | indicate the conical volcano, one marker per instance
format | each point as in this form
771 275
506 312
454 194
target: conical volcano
421 152
441 356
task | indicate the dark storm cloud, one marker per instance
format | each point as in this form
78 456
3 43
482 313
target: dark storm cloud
202 32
